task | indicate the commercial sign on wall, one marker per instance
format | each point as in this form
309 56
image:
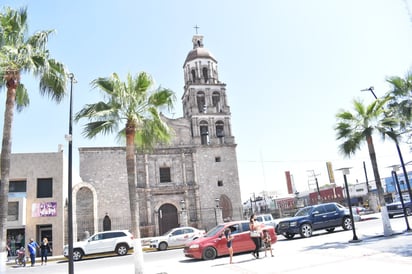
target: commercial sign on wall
46 209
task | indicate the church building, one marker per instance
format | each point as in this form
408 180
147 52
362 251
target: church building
192 181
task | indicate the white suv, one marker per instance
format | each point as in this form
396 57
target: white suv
267 219
119 241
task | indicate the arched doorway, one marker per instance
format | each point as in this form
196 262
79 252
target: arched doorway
167 218
84 212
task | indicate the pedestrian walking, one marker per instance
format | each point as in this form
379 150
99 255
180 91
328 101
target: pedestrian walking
44 250
229 239
32 246
8 251
267 242
255 234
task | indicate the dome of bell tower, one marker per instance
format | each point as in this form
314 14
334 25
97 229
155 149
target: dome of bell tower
198 51
200 67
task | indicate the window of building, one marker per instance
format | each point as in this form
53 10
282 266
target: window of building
193 75
44 188
220 129
218 159
165 175
205 74
201 102
204 133
13 211
18 186
215 98
220 183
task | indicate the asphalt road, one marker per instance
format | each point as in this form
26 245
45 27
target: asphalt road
320 252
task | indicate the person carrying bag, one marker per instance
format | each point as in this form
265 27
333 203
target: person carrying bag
255 234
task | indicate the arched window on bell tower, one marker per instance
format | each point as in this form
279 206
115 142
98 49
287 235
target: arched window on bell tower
216 100
205 75
220 133
193 72
204 133
201 102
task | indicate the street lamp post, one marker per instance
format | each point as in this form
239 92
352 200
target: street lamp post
405 173
217 201
366 176
345 171
70 179
395 177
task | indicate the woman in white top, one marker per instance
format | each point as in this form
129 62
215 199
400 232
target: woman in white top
255 226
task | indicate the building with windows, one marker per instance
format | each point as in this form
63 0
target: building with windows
36 200
191 181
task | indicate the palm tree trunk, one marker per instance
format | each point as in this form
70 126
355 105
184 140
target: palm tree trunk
387 229
134 213
5 165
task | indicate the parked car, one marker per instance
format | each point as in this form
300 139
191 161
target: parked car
396 208
316 217
213 244
176 237
118 241
266 219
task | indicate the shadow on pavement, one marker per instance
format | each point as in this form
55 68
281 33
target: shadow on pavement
404 250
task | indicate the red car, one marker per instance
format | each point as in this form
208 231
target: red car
213 244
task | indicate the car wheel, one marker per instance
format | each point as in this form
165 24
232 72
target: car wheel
209 253
121 249
330 229
288 235
306 230
347 223
162 246
77 254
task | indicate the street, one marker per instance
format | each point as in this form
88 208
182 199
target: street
321 251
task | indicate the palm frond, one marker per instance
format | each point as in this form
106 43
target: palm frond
22 97
92 129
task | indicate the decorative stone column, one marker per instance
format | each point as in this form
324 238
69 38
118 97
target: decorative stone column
183 214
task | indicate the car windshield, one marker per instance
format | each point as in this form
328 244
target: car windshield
303 212
214 230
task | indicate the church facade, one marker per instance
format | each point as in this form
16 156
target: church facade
193 181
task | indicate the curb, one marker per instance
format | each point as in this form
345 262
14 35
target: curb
64 259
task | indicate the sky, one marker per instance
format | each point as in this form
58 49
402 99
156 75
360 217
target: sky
289 66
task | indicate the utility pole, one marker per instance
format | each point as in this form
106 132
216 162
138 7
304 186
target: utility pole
314 176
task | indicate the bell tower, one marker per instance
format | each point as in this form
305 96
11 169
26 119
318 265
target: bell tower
204 98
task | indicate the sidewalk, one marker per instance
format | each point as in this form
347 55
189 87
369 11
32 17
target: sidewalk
374 253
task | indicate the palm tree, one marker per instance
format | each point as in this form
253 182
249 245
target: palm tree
20 53
401 101
355 128
401 104
133 107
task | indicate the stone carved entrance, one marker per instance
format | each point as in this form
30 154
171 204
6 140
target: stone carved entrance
167 218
